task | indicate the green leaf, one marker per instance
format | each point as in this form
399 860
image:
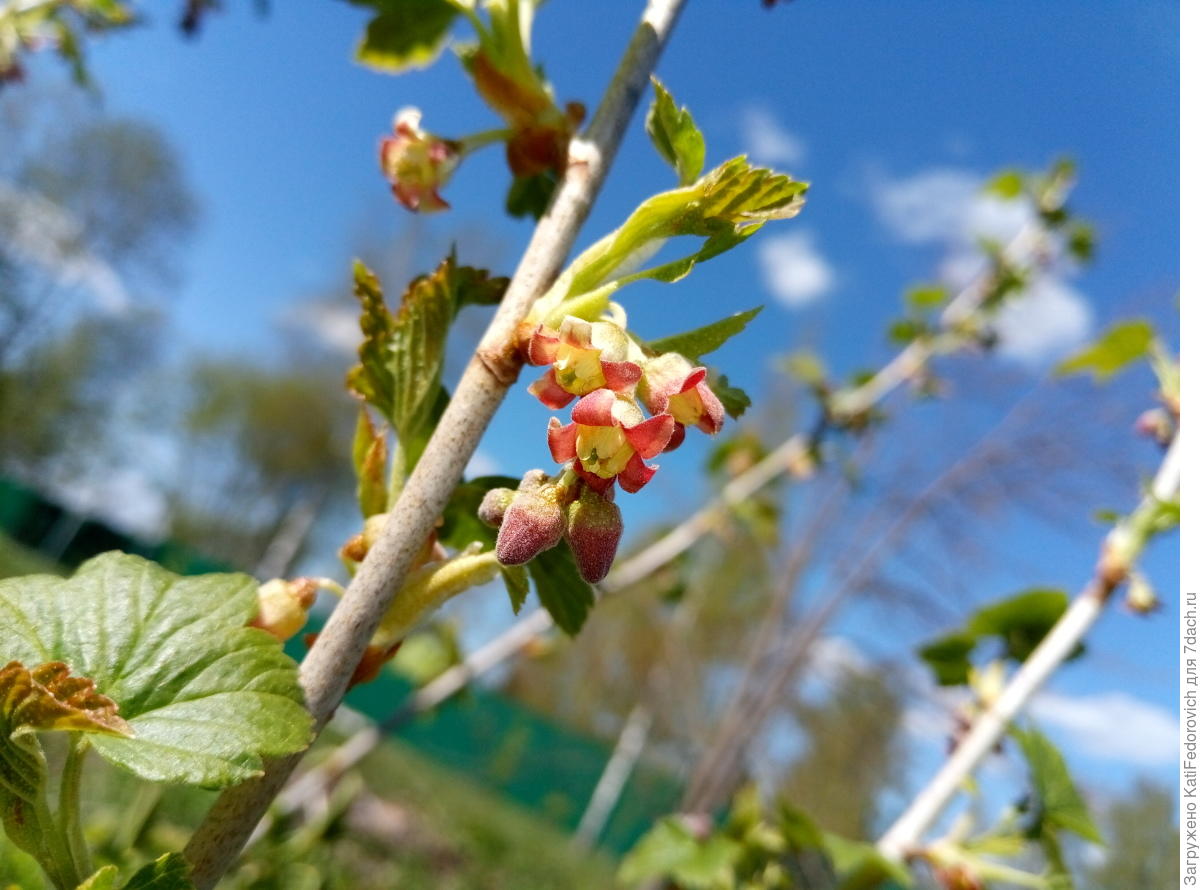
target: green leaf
516 582
662 850
1007 184
859 866
405 34
1060 805
949 657
905 330
925 296
401 356
565 595
1021 621
167 872
530 195
701 341
1119 346
675 135
735 400
725 207
205 696
461 525
104 879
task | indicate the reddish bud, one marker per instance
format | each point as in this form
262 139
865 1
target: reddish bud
533 523
594 530
494 505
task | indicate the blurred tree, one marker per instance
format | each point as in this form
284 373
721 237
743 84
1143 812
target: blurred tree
93 212
853 752
263 449
1143 842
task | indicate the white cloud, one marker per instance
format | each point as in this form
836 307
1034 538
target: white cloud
1048 321
332 324
46 235
795 272
125 497
482 464
1111 726
768 141
947 207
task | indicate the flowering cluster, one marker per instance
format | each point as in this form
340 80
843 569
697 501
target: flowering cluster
417 163
631 407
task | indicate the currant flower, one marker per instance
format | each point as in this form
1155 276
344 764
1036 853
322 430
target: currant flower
609 440
672 385
418 163
584 357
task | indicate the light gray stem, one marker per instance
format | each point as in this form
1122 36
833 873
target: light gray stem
326 671
905 834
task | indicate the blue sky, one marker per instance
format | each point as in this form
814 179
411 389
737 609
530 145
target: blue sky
894 112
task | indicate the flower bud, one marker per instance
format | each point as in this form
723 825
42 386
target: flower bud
1140 597
534 521
1155 424
283 606
494 505
417 163
594 530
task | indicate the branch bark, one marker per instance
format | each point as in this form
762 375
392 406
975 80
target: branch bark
326 671
1126 539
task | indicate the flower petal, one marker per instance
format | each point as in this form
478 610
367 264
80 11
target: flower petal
598 484
549 393
714 411
636 474
561 440
576 332
543 346
676 437
651 436
595 409
621 377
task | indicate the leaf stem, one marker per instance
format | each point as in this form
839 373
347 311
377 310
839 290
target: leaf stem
69 819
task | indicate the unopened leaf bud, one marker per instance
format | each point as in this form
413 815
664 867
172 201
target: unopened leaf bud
1140 597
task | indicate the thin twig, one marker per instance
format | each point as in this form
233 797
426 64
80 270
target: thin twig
905 834
326 671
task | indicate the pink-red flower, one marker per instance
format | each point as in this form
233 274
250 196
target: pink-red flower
584 357
418 163
609 440
672 385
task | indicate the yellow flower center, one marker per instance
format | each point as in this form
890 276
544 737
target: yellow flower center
603 450
578 370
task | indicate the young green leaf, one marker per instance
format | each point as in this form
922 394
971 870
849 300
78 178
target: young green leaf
662 850
949 658
1119 346
675 135
516 582
725 207
401 356
405 34
565 595
735 399
206 697
1059 805
701 341
1021 621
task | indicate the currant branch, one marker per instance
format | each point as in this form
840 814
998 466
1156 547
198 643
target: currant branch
330 664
